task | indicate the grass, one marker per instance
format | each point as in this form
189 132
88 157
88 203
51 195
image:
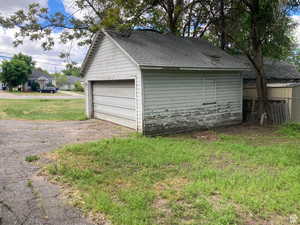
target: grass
291 130
238 179
32 158
42 109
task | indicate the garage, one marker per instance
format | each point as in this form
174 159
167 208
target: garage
115 101
161 84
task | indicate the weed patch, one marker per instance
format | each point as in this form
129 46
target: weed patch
32 158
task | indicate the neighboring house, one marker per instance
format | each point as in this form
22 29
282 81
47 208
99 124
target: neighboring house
70 83
41 78
276 71
279 92
283 82
157 83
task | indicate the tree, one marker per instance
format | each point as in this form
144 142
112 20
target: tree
71 70
255 28
181 17
259 28
60 79
14 73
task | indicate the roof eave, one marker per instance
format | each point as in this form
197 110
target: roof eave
147 67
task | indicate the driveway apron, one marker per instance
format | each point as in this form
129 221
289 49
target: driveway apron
25 197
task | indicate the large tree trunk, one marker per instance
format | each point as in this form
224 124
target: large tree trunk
258 62
223 40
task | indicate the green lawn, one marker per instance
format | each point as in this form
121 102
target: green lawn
241 178
42 109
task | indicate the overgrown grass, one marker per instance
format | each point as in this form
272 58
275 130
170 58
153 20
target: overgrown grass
42 109
141 180
291 130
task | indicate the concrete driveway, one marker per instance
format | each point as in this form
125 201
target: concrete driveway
25 197
7 95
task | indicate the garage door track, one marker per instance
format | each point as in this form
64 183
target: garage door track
25 197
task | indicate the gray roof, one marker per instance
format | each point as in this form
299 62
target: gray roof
73 79
37 74
274 69
152 49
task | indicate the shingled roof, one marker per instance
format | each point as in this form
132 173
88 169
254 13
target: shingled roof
38 73
275 70
152 49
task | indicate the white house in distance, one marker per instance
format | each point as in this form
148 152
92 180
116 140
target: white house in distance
157 83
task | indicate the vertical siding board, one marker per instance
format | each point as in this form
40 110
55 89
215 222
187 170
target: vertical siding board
176 102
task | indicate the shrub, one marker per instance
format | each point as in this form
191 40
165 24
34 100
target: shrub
35 86
78 86
291 129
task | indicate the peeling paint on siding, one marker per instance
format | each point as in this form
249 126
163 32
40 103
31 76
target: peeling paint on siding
217 103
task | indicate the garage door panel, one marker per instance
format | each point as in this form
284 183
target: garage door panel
128 103
118 90
111 110
115 101
117 120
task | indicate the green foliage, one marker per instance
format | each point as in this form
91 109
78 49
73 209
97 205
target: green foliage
42 109
294 58
14 72
140 180
291 130
32 158
78 86
27 59
35 86
71 70
60 79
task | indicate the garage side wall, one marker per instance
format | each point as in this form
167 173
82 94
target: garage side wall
177 102
111 63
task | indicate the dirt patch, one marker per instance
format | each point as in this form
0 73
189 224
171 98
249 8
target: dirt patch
209 136
248 129
173 183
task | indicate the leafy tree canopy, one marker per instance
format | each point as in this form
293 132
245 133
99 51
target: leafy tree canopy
14 72
71 70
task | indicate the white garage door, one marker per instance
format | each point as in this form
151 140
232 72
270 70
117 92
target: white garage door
115 101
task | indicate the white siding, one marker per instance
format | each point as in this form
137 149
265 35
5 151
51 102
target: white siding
115 101
111 63
175 102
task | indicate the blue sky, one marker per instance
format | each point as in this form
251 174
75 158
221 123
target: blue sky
50 60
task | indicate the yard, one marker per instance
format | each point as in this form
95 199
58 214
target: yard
242 175
42 109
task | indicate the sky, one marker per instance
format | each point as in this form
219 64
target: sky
50 60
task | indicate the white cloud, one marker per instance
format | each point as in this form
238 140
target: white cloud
12 6
48 60
71 8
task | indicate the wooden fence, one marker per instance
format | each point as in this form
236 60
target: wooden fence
279 111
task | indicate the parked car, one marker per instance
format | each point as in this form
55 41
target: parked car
48 90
